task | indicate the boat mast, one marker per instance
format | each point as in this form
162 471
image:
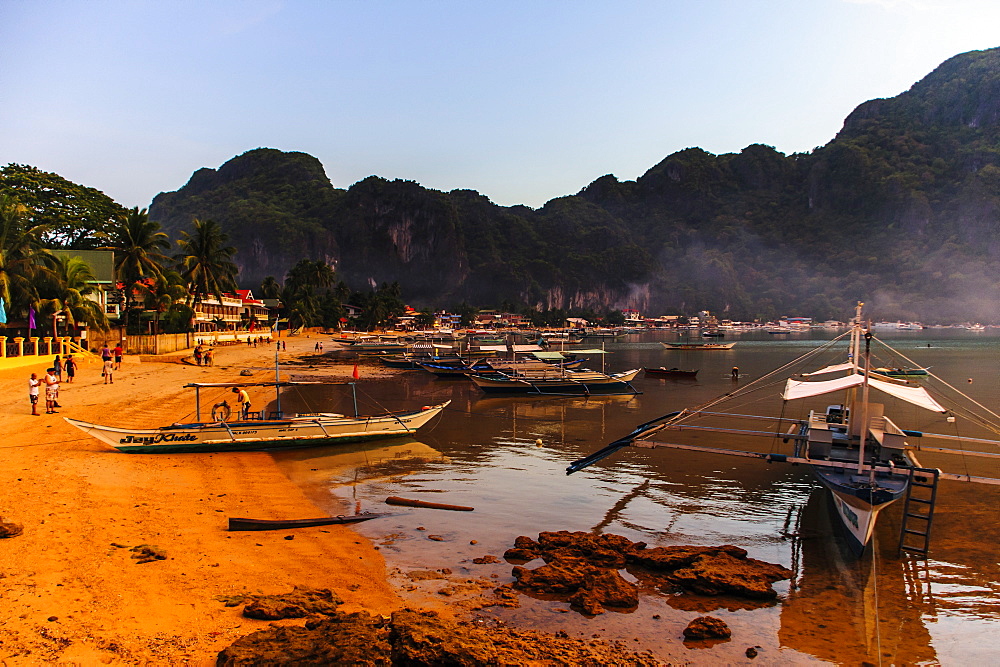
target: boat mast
864 404
277 381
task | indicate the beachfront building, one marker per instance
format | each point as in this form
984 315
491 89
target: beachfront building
254 313
215 314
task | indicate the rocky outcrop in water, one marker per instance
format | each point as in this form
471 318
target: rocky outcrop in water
584 568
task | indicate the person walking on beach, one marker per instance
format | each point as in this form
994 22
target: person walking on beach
197 354
109 369
33 387
57 364
119 353
51 391
243 398
209 357
105 353
70 368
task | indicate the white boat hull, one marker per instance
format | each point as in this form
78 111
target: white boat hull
300 431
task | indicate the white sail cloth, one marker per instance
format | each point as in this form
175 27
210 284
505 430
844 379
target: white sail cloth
918 396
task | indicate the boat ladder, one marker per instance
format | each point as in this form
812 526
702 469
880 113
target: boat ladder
918 511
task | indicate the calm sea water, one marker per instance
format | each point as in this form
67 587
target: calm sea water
506 456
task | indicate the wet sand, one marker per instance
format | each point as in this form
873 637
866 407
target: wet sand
71 591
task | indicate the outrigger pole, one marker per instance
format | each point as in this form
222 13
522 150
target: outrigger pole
620 443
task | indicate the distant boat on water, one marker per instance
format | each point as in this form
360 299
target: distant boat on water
698 346
662 372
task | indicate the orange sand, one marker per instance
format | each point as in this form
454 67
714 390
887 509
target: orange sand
70 593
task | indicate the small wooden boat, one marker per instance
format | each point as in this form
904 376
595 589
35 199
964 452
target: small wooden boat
900 372
698 346
279 524
662 372
556 381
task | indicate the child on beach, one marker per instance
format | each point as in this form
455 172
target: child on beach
70 368
119 353
109 368
57 365
33 384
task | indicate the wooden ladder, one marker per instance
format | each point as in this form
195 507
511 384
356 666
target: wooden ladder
918 509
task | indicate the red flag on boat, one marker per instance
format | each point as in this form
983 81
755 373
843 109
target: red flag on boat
356 374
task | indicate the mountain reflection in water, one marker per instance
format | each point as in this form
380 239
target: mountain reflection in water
484 452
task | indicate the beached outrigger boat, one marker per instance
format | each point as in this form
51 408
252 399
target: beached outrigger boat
855 451
277 431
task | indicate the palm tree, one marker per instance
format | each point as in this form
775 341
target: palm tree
205 261
139 258
138 242
307 272
269 288
65 292
21 255
165 291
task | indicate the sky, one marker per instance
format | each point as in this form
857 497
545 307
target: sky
522 101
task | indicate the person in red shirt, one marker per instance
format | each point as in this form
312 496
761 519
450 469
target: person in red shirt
119 353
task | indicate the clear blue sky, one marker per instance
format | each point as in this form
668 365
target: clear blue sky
522 101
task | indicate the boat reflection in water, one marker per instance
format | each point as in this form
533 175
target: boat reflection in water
849 612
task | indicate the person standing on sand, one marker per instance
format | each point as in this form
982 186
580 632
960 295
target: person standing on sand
33 384
109 368
51 391
119 353
58 366
210 357
70 368
197 355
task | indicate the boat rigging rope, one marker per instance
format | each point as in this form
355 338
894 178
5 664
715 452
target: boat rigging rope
759 383
977 418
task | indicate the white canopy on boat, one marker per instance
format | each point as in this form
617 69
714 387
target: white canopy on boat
799 389
918 396
831 369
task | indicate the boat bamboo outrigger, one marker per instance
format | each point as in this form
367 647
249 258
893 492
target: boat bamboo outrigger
864 459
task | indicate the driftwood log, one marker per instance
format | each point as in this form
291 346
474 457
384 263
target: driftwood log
396 500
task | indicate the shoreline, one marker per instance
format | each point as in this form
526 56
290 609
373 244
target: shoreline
73 592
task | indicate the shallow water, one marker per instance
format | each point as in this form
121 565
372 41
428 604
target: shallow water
506 456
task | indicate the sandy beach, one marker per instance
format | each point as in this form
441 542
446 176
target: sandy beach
72 591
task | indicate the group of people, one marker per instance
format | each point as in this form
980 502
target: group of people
66 368
51 382
204 356
112 362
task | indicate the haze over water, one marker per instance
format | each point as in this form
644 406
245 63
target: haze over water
483 453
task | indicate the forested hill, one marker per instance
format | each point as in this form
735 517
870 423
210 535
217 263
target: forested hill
901 208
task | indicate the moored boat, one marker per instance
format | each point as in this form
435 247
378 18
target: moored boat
698 346
662 372
556 381
855 450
